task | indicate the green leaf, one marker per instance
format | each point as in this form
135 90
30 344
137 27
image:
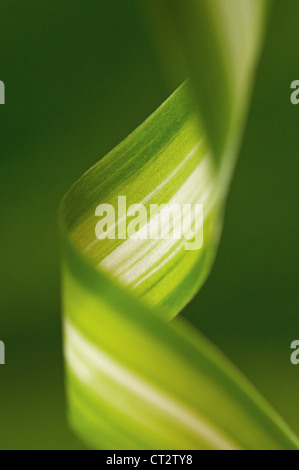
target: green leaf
165 160
218 43
134 380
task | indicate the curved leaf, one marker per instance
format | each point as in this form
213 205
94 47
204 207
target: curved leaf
134 380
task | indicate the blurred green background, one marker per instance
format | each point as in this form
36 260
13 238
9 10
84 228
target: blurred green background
79 77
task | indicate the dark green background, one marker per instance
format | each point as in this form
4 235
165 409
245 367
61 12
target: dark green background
79 76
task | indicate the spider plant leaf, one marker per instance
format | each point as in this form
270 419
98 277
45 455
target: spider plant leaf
134 379
218 43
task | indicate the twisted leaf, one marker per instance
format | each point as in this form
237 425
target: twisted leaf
134 380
